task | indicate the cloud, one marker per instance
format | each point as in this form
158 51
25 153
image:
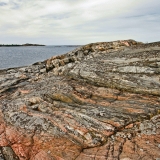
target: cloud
79 22
3 4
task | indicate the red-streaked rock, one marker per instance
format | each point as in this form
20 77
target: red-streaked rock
103 105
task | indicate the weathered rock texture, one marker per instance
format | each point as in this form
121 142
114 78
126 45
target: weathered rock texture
98 102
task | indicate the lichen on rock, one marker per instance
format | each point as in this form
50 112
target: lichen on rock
100 101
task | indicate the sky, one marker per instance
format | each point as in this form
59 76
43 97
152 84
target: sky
78 22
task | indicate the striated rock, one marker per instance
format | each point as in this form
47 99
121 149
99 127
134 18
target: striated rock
86 52
100 101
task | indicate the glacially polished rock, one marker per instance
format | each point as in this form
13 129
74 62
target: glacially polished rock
100 101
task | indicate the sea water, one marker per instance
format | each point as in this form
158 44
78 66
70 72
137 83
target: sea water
11 57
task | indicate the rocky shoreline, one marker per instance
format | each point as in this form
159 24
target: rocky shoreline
100 101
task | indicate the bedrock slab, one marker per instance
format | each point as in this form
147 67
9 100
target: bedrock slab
98 102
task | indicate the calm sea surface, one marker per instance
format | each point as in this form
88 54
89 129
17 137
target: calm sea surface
22 56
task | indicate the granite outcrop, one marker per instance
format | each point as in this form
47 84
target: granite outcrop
100 101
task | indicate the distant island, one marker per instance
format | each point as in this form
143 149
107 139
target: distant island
28 44
19 45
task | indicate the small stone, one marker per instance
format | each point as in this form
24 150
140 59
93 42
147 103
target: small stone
11 71
29 70
22 69
43 70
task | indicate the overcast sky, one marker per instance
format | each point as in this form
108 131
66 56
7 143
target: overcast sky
53 22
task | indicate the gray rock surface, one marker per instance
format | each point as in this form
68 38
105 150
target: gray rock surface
100 101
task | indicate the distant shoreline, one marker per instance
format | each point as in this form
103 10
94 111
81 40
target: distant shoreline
18 45
67 45
27 44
